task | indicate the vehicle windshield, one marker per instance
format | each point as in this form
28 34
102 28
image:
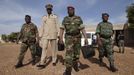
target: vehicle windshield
88 35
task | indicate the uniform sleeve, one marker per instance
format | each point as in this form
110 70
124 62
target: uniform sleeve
57 23
36 31
98 29
21 32
81 24
62 26
41 29
112 26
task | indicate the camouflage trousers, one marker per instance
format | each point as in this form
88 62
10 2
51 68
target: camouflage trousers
73 46
121 46
106 50
23 49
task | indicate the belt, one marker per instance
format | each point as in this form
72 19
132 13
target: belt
105 37
72 34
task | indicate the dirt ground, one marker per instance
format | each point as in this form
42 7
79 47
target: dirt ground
9 54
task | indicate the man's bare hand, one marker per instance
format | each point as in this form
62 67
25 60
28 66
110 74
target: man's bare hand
99 42
61 41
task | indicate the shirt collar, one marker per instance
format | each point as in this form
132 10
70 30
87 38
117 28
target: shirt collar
50 15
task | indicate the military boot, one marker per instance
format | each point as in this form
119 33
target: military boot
113 68
75 66
101 62
68 71
33 60
19 64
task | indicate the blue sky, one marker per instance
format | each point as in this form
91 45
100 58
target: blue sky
12 12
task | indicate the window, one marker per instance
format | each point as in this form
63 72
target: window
88 35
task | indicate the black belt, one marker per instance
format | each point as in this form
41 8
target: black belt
105 37
28 41
72 34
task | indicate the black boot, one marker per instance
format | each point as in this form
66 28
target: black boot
18 65
101 62
67 71
113 69
33 60
75 66
40 67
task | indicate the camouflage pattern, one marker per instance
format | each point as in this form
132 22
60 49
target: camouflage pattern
121 46
28 35
72 26
105 30
121 43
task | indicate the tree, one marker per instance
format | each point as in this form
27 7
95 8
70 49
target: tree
4 37
130 15
13 36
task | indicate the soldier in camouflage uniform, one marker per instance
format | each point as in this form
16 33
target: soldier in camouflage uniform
72 25
29 37
121 42
104 32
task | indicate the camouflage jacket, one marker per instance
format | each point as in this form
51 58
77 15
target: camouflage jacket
105 29
72 25
28 33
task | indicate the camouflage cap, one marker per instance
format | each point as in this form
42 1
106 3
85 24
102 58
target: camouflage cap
70 7
105 14
49 6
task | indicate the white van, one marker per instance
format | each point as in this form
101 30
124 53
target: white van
89 37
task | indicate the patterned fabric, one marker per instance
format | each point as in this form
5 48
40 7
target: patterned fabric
72 26
28 33
105 29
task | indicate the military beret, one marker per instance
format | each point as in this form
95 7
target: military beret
28 16
49 6
105 14
70 7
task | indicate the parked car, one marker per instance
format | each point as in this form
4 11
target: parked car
90 37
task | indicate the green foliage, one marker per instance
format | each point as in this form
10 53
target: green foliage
4 37
12 37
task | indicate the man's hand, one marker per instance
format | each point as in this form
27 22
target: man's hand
60 40
99 42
